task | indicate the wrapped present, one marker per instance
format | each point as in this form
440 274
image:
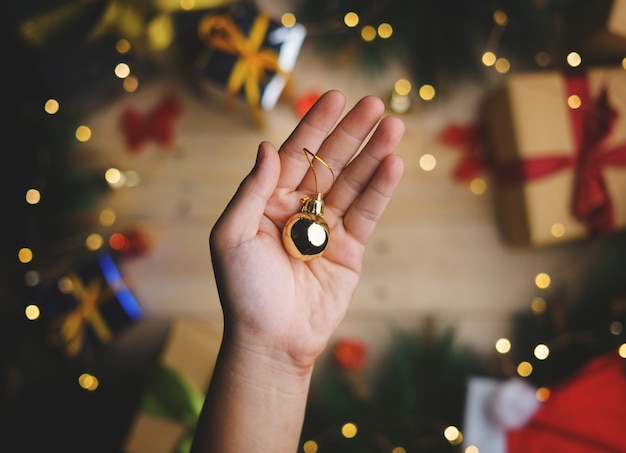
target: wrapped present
88 305
248 55
173 399
557 147
598 29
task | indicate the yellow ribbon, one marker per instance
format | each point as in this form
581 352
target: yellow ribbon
222 34
72 328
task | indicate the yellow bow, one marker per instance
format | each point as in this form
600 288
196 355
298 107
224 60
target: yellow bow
222 34
72 324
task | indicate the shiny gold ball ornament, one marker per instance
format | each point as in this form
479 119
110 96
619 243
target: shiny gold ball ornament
306 235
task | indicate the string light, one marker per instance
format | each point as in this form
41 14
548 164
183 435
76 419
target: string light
122 46
557 230
33 196
351 19
427 162
541 351
130 84
453 435
542 59
542 280
503 345
310 446
122 70
524 369
107 217
368 33
489 58
398 450
538 305
94 241
88 382
32 278
187 5
385 30
25 255
478 186
83 133
616 328
427 92
349 430
574 102
288 20
574 59
502 65
32 312
51 106
622 351
115 178
542 394
471 449
65 284
500 18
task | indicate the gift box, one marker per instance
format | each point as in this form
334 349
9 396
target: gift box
557 146
174 396
598 29
88 305
248 55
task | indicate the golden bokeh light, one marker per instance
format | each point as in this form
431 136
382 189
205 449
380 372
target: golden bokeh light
130 84
83 133
542 59
51 106
541 351
65 285
574 102
622 351
88 382
478 186
385 30
471 449
624 63
25 255
94 241
502 65
402 87
32 278
122 70
542 280
557 230
349 430
122 46
574 59
288 20
538 305
542 394
368 33
453 435
32 312
489 58
115 178
33 196
310 446
524 369
427 92
398 450
351 19
187 5
427 162
503 345
616 328
107 217
500 17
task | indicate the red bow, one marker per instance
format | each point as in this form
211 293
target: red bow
592 123
157 125
470 139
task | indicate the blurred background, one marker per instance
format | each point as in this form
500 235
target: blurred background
501 259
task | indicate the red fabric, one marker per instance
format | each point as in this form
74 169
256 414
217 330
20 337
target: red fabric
591 124
157 125
586 414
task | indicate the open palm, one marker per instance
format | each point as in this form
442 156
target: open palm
272 301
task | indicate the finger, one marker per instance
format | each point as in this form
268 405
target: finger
363 215
357 175
240 220
310 133
344 142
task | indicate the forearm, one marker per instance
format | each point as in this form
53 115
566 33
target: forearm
255 402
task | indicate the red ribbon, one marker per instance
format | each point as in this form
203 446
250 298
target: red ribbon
157 125
592 123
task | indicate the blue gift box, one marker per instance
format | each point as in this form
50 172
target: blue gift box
88 305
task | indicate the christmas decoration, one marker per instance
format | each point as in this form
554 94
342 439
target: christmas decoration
304 102
157 124
248 54
558 146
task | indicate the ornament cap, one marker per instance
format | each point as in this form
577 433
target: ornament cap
314 205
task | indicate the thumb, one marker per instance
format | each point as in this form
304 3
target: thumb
240 220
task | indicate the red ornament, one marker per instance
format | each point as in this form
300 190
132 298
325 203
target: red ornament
129 243
350 355
304 102
157 125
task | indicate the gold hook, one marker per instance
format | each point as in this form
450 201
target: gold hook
308 153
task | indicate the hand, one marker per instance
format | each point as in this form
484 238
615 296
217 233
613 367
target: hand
274 304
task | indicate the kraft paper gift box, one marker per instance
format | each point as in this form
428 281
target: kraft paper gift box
169 409
557 147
